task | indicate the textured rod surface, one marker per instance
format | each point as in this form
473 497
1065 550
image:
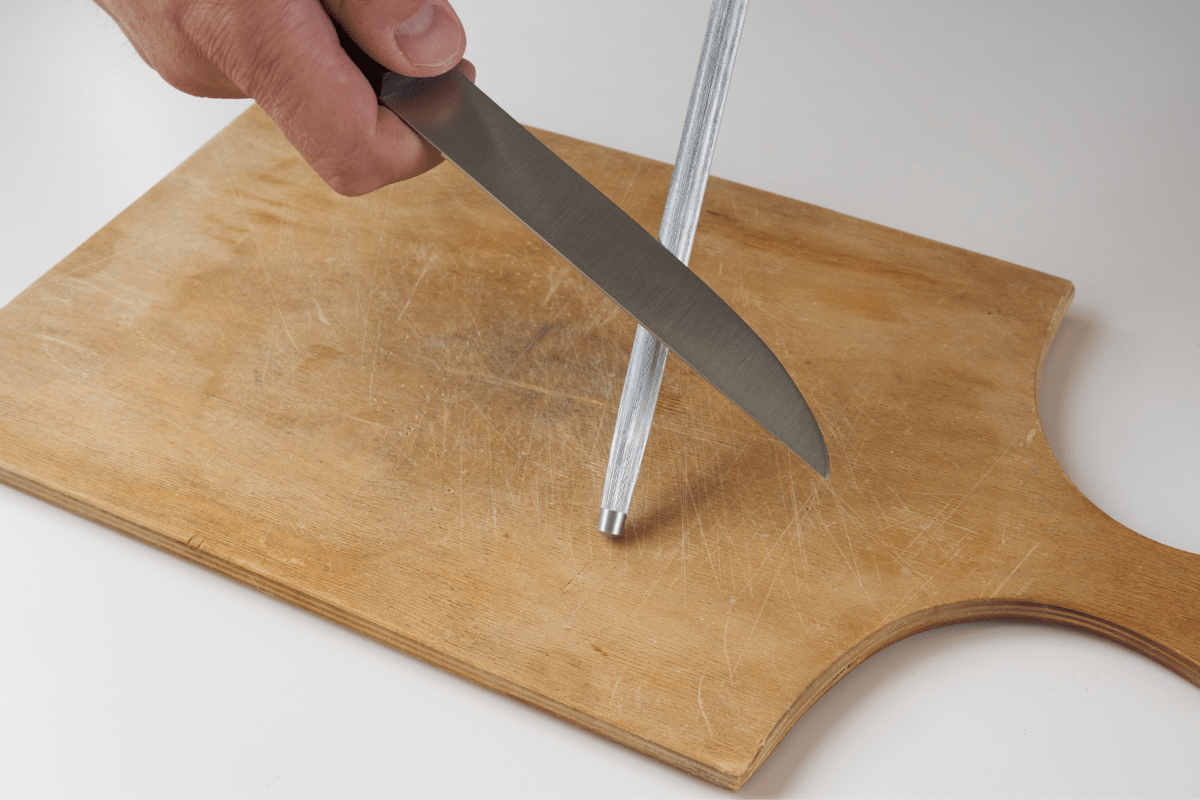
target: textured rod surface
677 232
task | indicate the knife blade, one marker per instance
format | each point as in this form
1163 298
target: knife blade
603 243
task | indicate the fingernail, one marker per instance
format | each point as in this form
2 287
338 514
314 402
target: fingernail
430 37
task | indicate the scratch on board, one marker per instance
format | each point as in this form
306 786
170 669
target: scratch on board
613 694
502 380
847 521
725 638
262 261
797 523
761 609
45 337
567 585
578 605
683 533
635 174
90 266
951 557
650 591
700 703
415 286
462 525
320 312
1014 570
555 279
941 517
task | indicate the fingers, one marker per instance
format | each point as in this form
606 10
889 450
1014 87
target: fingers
421 38
285 54
320 100
326 107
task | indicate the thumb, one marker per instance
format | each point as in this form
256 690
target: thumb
420 38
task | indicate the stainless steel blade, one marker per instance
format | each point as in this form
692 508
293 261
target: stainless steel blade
604 243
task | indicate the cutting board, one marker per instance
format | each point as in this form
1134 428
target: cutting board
395 411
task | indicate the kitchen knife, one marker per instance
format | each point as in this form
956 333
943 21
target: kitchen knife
604 243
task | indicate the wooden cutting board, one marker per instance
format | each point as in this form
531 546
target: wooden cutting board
395 411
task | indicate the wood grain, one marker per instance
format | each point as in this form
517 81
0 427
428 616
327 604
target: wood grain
395 411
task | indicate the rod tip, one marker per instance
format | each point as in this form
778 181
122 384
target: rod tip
612 523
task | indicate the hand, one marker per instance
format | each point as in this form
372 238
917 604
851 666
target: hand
285 54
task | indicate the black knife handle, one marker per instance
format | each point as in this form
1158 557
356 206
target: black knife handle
374 72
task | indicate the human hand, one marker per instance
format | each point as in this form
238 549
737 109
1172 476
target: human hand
285 54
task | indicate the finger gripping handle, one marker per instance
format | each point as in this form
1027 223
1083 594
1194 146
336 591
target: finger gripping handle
376 74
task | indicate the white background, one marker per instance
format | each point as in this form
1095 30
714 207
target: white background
1060 136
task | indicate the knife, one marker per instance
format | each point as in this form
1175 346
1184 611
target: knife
603 242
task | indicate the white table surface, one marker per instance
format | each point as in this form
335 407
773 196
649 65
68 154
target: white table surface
1060 136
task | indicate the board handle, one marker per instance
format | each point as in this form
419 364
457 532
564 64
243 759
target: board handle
1104 578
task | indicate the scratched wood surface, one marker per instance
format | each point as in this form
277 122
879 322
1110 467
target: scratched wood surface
395 411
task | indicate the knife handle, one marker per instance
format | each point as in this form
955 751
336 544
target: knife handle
372 70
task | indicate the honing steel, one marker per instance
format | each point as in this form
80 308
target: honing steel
681 215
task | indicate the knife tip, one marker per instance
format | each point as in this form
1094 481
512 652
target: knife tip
812 450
